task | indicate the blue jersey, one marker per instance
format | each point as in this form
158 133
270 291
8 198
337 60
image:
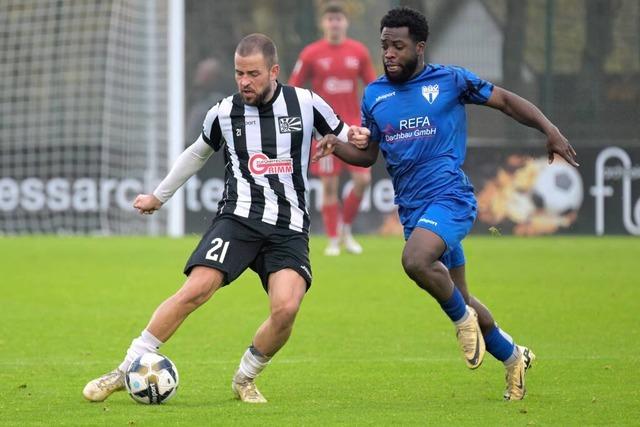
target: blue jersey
421 128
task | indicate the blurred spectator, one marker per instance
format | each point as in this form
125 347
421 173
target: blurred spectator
206 95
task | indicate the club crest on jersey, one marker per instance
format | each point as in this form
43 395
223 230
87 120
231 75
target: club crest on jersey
290 124
430 92
260 164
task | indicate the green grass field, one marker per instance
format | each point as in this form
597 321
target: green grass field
369 348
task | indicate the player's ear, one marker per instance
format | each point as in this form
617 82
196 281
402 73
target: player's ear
275 71
420 46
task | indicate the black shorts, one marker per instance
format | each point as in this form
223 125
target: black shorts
232 243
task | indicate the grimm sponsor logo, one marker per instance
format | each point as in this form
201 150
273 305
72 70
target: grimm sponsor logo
260 164
290 124
385 96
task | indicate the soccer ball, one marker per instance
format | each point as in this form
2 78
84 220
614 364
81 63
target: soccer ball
152 379
558 189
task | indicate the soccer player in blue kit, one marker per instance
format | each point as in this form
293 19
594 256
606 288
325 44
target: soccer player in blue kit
415 114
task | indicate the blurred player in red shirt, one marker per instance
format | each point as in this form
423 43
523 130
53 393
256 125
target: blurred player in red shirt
334 65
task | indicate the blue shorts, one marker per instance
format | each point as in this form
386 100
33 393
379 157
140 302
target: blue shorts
454 258
451 218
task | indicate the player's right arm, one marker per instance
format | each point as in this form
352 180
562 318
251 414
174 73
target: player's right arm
301 71
186 165
363 142
340 138
350 151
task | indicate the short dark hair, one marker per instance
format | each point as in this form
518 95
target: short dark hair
258 43
333 7
410 18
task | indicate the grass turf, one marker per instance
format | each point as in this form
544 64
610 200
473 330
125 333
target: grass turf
368 348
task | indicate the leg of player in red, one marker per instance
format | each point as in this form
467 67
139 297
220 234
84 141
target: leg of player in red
328 170
361 178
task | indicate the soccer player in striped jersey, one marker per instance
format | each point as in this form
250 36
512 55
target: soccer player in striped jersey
265 131
416 116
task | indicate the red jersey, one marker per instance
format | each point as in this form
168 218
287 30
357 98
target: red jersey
334 71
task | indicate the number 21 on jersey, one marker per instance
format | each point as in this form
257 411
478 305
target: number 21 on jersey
218 251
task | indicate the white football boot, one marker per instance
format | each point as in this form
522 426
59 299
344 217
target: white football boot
102 387
333 248
470 340
247 392
516 372
350 244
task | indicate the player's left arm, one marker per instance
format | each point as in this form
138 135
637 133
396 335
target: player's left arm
528 114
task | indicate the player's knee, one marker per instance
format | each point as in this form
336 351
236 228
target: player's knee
329 196
285 313
414 265
361 181
200 286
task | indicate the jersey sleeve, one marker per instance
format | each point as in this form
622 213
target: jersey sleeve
301 71
211 131
368 121
473 90
325 120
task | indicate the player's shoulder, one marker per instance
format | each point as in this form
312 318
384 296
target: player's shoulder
222 104
313 48
449 70
377 89
303 94
355 44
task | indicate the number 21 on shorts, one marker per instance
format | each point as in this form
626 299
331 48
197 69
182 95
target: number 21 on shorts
218 251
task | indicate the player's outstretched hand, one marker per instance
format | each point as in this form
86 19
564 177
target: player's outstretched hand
359 136
557 143
325 146
146 204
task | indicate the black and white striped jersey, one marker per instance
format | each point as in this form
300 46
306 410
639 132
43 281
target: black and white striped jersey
266 151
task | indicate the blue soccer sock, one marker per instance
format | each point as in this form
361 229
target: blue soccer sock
501 345
455 307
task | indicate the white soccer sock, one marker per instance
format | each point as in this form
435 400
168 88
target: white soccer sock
346 230
464 317
251 365
145 343
514 356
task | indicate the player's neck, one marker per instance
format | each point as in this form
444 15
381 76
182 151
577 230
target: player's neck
335 41
419 69
271 93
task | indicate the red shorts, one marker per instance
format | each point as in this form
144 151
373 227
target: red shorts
332 166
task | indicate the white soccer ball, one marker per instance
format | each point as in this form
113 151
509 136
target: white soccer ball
152 379
558 189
